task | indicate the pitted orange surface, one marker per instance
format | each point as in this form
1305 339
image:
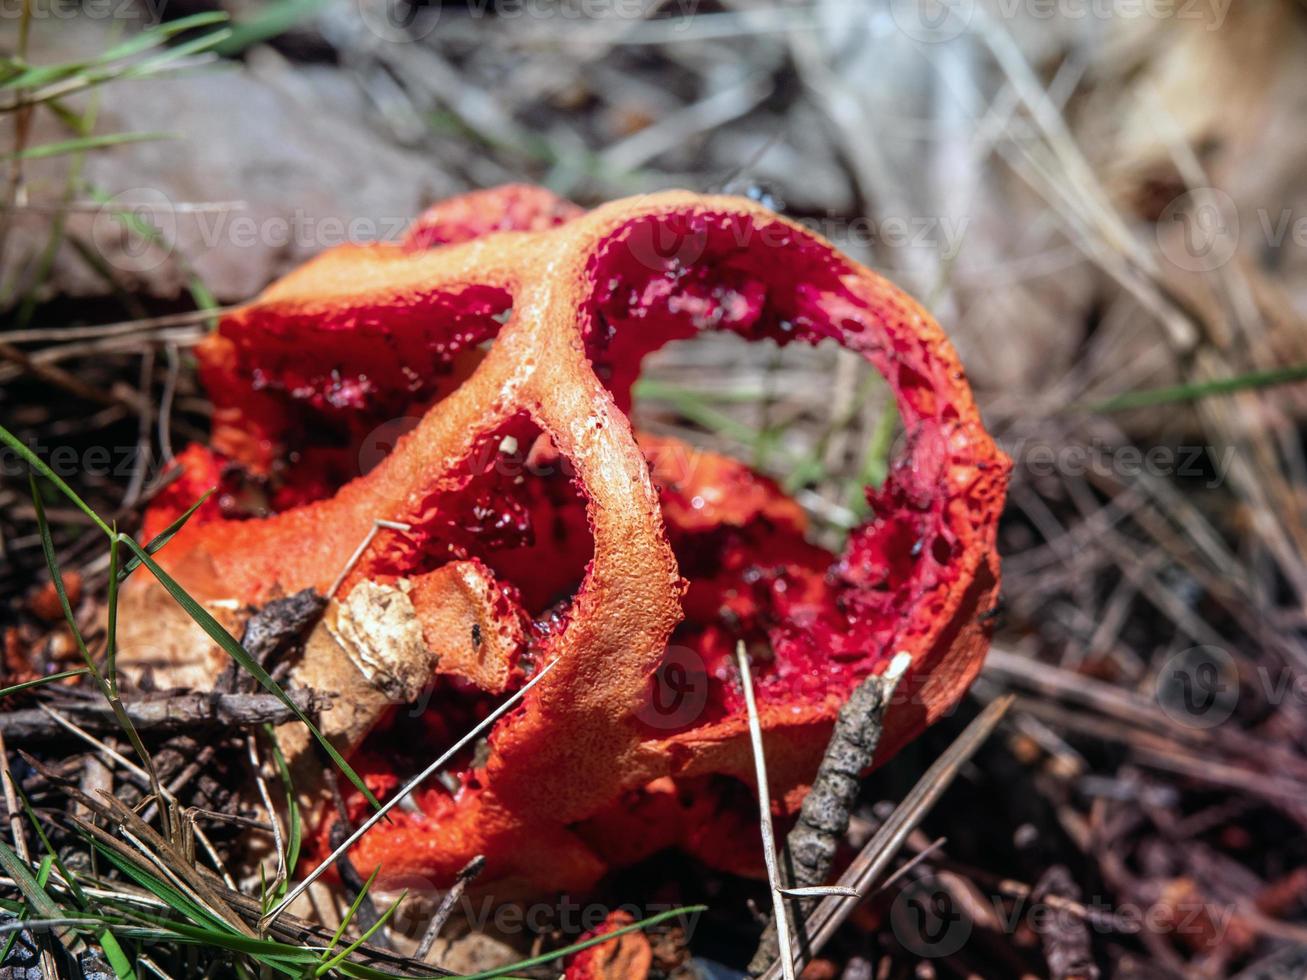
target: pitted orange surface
637 563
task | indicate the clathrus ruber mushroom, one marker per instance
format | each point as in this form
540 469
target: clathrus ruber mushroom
470 386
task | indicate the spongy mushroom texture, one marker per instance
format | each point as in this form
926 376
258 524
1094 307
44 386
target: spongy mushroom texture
612 553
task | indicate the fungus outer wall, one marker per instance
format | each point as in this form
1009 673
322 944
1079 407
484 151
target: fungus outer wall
365 386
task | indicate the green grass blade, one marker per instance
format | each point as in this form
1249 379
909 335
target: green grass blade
234 941
81 124
82 80
37 682
345 953
9 945
200 293
199 45
84 143
78 895
43 870
1199 390
164 536
665 391
113 952
111 623
295 831
238 653
361 972
875 464
33 76
118 960
155 36
348 917
36 896
174 934
164 891
695 407
56 578
274 19
51 924
37 464
110 695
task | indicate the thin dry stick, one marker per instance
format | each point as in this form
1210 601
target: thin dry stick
818 891
58 377
153 967
402 795
11 803
912 862
377 525
121 329
278 843
764 818
470 871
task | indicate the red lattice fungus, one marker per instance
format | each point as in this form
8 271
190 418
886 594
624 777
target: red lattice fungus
542 527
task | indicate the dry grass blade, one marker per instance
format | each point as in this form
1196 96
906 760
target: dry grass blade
169 799
278 841
11 803
786 948
165 855
889 839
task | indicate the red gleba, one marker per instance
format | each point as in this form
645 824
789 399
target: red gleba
541 527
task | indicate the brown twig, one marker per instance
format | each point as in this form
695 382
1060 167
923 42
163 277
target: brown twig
175 713
824 816
876 856
446 907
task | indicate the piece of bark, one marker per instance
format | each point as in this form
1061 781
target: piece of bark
1063 934
271 630
96 778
